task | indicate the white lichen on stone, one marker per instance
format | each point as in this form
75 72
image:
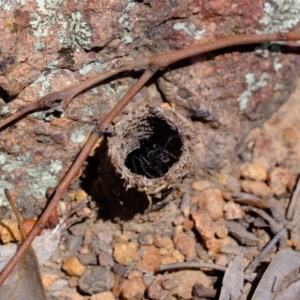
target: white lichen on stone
281 15
278 86
79 31
17 163
4 110
3 158
252 86
74 31
52 65
39 180
277 64
123 20
55 166
45 81
97 66
7 4
79 135
191 31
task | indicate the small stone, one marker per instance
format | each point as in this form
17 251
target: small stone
186 280
279 179
163 242
48 279
96 279
135 274
178 229
80 195
73 282
88 234
150 260
125 253
122 239
178 256
186 211
257 188
233 211
88 259
221 230
231 183
146 239
155 290
133 289
206 227
58 285
201 185
254 171
104 237
9 231
73 267
185 244
84 212
103 296
222 260
211 201
188 224
179 220
169 260
148 278
104 259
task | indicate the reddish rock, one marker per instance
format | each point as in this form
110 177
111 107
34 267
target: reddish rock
150 260
185 244
254 171
211 201
279 179
233 211
125 253
133 289
257 188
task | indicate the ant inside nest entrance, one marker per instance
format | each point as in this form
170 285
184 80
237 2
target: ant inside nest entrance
157 149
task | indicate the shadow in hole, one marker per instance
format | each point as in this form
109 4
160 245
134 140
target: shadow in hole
106 187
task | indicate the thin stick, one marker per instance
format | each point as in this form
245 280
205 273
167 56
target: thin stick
294 207
156 62
72 174
191 265
265 251
17 214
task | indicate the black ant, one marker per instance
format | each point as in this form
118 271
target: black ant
151 161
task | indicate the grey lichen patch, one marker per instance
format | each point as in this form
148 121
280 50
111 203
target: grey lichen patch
73 32
38 180
45 82
277 64
124 21
79 32
87 112
55 166
252 86
7 4
52 65
191 31
96 66
4 110
10 164
79 135
281 15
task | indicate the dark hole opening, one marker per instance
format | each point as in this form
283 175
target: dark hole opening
159 148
